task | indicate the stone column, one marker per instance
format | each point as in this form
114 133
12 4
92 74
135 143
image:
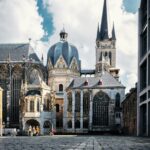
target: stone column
81 109
91 111
28 105
73 110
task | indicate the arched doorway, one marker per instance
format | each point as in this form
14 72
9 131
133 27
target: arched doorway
33 125
47 127
101 109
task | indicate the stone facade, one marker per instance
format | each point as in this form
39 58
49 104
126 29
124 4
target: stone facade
56 95
129 112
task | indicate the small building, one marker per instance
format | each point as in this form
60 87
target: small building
129 112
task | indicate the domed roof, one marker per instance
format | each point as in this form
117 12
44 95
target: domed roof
63 48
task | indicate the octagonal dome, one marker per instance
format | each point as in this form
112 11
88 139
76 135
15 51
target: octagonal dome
64 49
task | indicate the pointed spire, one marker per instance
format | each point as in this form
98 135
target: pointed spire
98 38
113 33
104 23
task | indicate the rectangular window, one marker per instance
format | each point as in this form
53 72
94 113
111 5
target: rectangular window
144 13
143 97
143 44
143 75
149 70
31 106
148 94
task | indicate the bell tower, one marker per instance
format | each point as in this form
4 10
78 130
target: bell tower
105 45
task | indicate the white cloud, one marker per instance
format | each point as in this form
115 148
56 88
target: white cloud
19 21
81 19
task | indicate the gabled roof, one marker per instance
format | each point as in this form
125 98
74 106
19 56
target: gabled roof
17 52
108 81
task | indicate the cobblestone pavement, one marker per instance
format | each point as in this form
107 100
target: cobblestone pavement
73 142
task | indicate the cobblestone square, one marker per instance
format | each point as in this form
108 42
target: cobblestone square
72 142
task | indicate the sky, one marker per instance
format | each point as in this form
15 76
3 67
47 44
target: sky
42 20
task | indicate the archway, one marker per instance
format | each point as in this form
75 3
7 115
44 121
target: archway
33 125
101 109
47 127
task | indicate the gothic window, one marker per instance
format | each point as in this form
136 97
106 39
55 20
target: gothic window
31 106
69 124
60 88
105 54
86 99
69 102
77 102
57 107
117 100
100 109
38 106
15 93
77 124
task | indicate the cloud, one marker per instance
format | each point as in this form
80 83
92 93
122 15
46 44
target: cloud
81 19
19 21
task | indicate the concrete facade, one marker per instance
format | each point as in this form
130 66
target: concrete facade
143 103
1 110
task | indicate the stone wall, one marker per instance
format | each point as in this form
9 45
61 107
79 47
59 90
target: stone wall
129 106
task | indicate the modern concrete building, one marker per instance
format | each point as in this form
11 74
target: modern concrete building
143 105
1 110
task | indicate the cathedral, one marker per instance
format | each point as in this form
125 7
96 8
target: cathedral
61 95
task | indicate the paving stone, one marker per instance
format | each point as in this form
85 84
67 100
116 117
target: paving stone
74 143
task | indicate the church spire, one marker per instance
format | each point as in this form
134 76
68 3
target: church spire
113 33
97 38
104 23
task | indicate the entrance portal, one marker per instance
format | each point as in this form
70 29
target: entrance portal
100 109
33 126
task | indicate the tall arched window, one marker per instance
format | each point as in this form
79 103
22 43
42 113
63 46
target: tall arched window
57 107
86 99
117 100
38 106
60 88
69 102
31 106
77 102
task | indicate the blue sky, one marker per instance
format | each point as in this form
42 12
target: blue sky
129 6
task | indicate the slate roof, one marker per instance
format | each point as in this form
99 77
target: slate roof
93 82
16 52
65 49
